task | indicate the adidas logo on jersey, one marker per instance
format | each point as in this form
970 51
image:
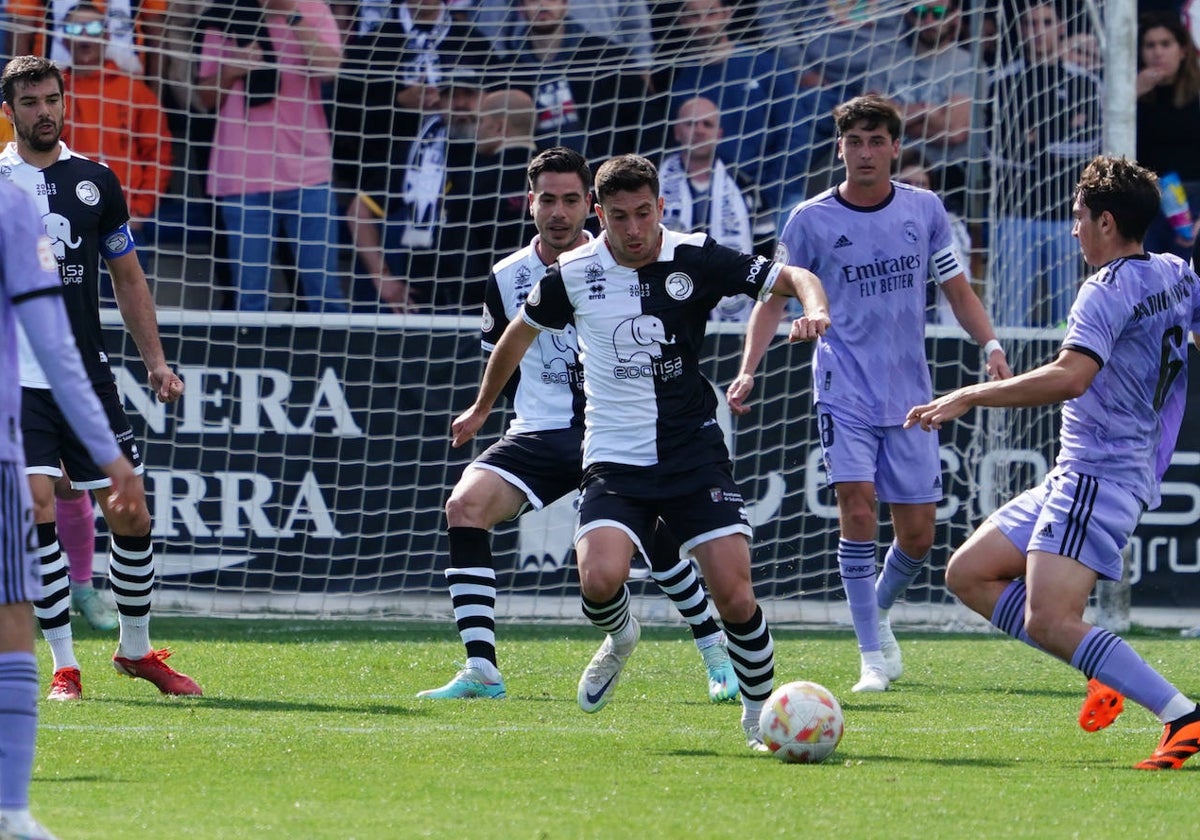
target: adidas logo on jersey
1047 532
842 242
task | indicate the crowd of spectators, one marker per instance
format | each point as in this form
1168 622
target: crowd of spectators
366 156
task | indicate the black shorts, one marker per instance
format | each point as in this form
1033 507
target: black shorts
50 440
697 507
545 466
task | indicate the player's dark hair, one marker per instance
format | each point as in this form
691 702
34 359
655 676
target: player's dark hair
28 70
1123 188
559 159
868 112
625 173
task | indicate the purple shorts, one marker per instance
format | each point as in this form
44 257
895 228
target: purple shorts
1078 516
903 464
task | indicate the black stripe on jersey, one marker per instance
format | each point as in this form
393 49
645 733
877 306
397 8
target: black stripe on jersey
1087 351
1079 516
36 293
945 264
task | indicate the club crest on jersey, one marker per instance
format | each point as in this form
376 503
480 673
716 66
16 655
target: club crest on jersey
88 193
911 234
680 286
117 241
487 321
535 296
594 272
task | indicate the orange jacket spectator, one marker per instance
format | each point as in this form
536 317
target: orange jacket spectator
28 21
116 119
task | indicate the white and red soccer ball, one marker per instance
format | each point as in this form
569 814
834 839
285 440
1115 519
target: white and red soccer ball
801 722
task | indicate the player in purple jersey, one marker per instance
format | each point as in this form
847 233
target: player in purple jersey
86 218
639 299
537 461
31 292
874 242
1122 378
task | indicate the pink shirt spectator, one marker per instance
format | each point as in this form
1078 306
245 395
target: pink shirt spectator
283 145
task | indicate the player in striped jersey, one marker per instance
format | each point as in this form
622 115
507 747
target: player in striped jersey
85 216
875 242
537 461
1122 378
31 293
639 298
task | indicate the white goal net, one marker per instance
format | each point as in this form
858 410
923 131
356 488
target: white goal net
305 470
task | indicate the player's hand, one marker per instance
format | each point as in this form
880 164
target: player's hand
997 366
931 416
736 393
165 384
128 493
466 425
809 326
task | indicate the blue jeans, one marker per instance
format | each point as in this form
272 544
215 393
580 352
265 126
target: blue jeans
1035 272
307 217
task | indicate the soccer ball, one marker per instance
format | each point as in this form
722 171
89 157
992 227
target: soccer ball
801 723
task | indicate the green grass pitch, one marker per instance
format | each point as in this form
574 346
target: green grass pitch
311 730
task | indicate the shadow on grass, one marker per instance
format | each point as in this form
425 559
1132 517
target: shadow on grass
256 704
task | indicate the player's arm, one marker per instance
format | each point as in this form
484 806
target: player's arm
764 321
806 287
1065 378
970 314
44 319
505 358
137 310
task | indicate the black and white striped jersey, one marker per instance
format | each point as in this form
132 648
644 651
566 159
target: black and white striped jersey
549 391
85 216
640 333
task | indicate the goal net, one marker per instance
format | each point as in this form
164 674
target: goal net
305 470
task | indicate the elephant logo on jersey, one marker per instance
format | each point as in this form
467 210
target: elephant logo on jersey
562 348
679 286
644 335
58 228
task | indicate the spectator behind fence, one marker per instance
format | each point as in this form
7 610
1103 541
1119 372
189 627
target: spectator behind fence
1044 129
933 80
134 29
586 96
115 118
494 206
626 23
1168 121
853 39
261 68
769 126
398 218
701 193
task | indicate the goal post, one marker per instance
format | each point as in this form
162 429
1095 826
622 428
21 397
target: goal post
305 470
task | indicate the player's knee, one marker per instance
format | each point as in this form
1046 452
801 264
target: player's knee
601 582
959 577
135 522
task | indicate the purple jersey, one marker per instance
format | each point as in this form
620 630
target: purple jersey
30 287
1132 316
874 263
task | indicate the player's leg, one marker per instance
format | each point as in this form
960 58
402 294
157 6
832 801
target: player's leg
909 479
1083 526
479 501
130 558
76 521
677 578
612 528
711 523
19 584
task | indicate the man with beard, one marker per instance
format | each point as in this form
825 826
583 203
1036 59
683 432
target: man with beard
85 216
